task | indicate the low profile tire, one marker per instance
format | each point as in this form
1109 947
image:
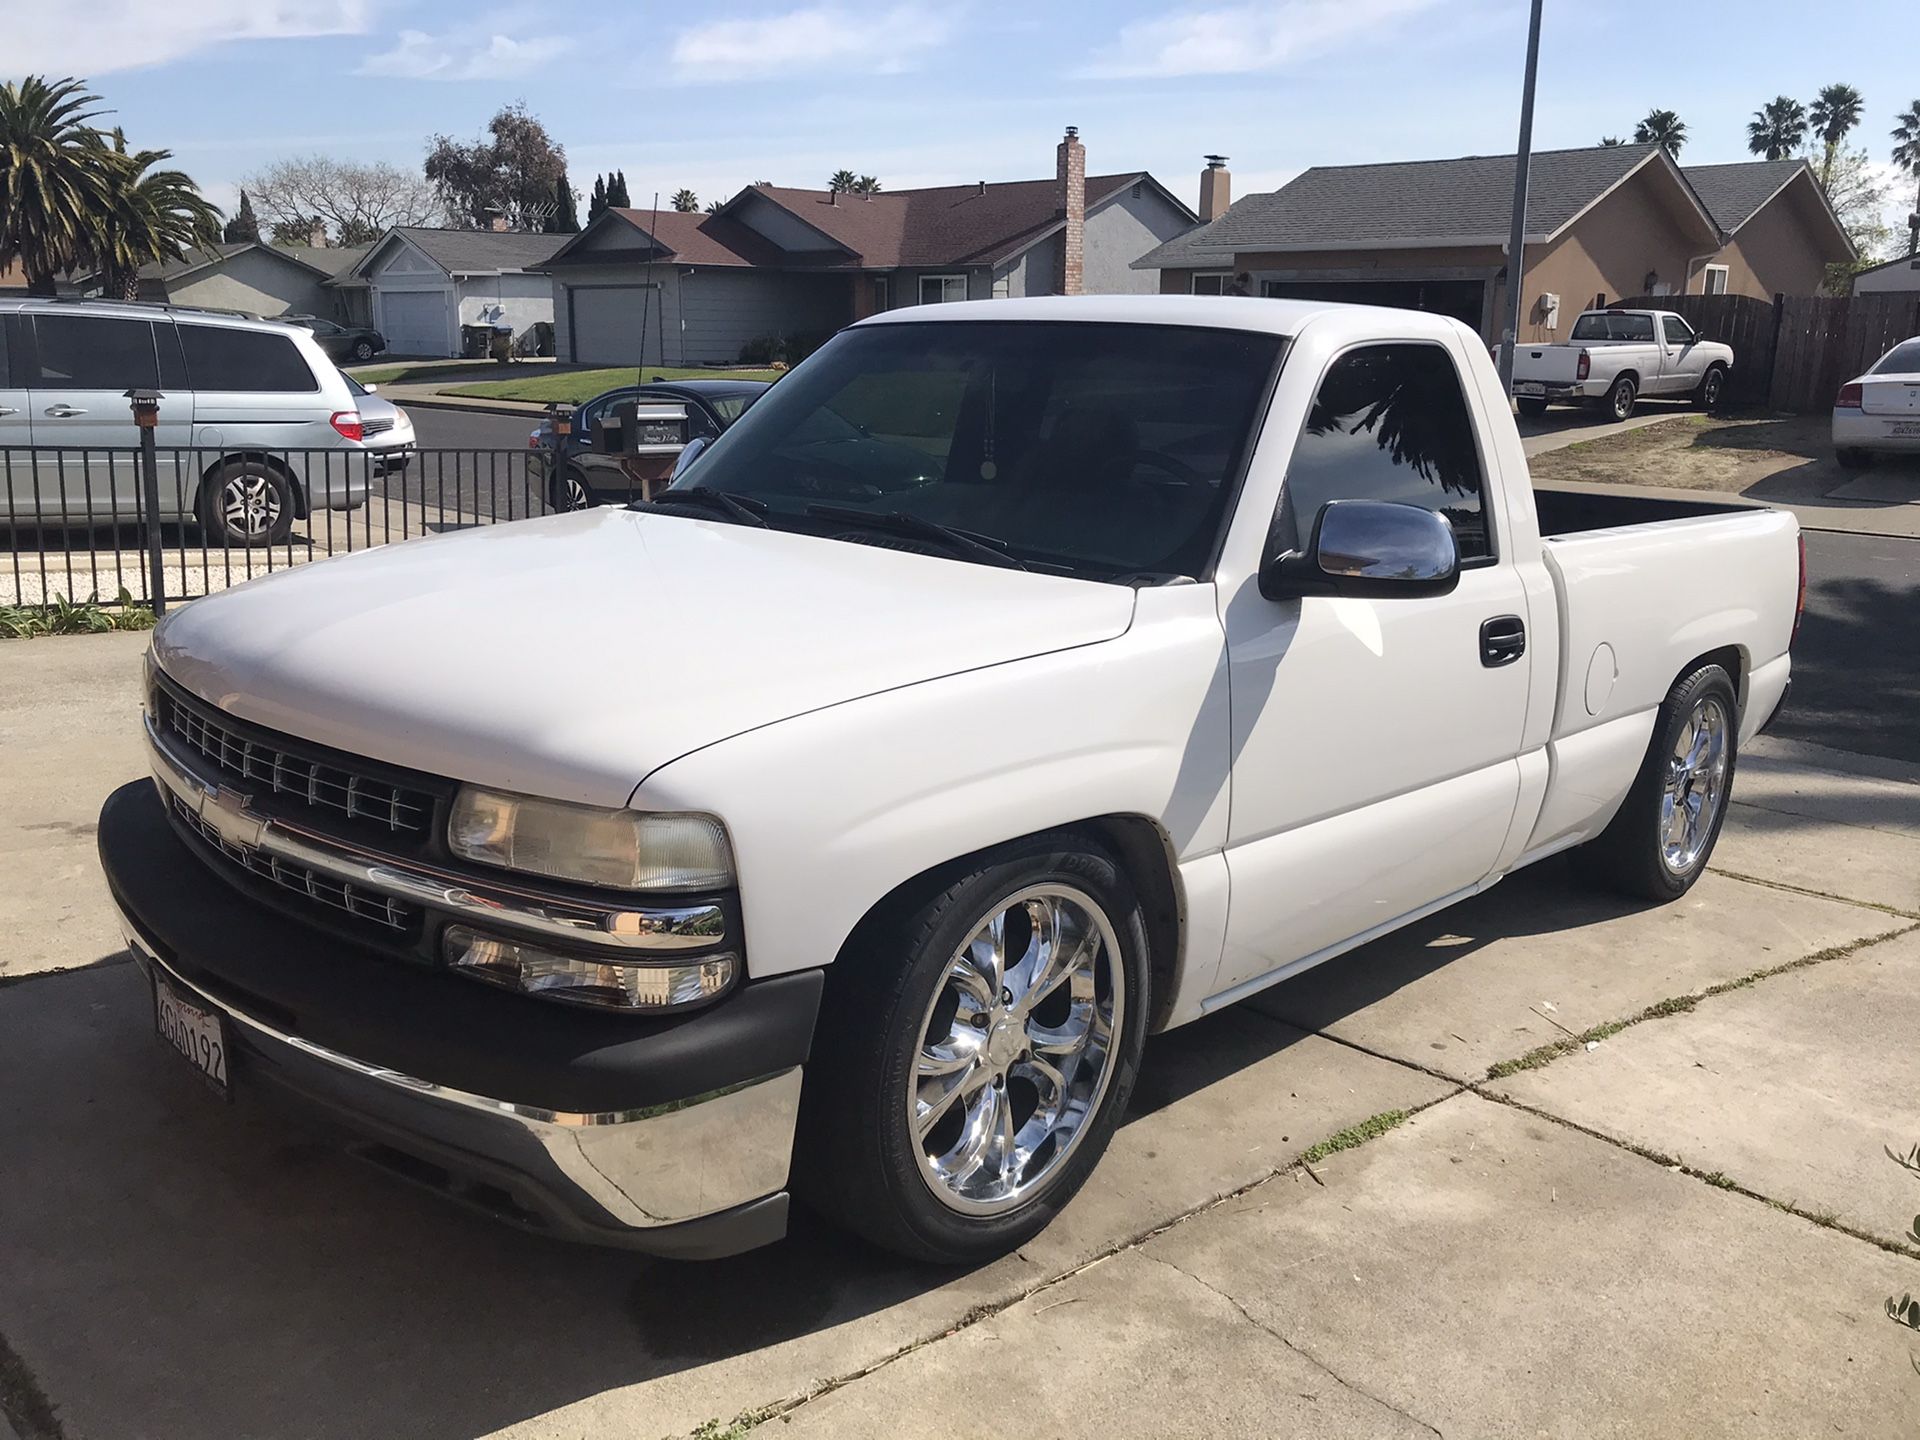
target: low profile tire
569 490
363 350
1659 843
977 1047
1711 389
1533 409
1621 398
246 503
1853 459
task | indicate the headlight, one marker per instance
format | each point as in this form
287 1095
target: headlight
610 984
620 849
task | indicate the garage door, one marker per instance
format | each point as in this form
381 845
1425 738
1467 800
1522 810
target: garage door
414 321
609 320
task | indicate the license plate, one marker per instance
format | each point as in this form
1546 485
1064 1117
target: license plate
1904 427
200 1036
1530 388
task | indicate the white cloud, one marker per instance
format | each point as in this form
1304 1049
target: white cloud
1239 39
810 39
107 35
417 55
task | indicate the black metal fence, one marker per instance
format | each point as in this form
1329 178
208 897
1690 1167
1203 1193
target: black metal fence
81 523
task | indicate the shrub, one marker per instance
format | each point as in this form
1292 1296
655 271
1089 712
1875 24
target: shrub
70 617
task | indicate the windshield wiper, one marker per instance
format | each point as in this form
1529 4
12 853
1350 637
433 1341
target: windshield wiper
898 522
718 502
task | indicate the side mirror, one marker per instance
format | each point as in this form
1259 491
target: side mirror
370 389
1368 548
688 455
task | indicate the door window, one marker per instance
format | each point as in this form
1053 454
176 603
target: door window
1390 422
259 361
1677 331
93 352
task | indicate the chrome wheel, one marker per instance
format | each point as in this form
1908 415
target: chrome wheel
573 492
1696 785
1016 1049
250 504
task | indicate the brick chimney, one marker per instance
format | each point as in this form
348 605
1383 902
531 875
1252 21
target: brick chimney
317 233
1216 189
1070 171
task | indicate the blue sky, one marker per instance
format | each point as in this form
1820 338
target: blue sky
717 95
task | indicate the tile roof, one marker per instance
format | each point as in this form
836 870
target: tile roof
1732 193
1468 200
477 252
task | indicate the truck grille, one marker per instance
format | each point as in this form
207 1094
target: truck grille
383 910
304 777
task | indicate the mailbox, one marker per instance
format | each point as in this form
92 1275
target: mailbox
650 428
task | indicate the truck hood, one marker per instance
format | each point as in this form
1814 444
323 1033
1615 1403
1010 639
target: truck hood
573 655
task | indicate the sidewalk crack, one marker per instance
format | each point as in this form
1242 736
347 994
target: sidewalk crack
1298 1349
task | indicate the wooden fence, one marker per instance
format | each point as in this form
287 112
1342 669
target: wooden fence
1793 352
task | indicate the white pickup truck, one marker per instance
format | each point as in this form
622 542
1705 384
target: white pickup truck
1613 357
1013 681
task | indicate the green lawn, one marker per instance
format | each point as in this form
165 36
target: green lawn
389 374
578 385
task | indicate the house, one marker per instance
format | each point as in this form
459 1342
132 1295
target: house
670 288
1602 223
249 276
1781 232
1894 277
424 284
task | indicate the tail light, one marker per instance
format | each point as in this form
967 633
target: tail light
1800 598
1584 367
1849 398
347 422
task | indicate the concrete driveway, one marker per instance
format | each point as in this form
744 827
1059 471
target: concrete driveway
1544 1164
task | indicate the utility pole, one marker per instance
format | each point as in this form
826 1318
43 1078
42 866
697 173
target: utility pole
1516 241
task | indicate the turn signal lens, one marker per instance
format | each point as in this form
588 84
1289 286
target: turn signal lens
347 422
1850 398
621 849
1583 367
577 980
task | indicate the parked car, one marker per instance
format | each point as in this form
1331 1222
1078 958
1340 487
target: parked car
385 429
849 835
241 400
598 477
1878 413
1613 357
343 343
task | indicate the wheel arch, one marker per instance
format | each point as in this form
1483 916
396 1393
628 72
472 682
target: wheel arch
1731 658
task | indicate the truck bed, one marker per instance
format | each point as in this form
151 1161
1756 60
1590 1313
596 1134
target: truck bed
1572 512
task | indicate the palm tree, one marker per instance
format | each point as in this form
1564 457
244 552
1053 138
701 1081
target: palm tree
53 176
842 181
147 215
1906 156
1662 128
866 185
685 201
1834 113
1609 141
1778 128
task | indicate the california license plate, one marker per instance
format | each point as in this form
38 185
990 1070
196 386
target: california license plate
1529 387
200 1036
1904 427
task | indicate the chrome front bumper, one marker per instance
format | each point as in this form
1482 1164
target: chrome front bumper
696 1178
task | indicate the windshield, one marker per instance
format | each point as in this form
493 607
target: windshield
1903 359
1608 325
1099 450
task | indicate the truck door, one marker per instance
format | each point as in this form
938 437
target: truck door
1682 364
1376 740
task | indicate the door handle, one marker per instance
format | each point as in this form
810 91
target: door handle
6 410
63 412
1503 640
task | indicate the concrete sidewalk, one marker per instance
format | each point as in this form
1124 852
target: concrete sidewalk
1688 1229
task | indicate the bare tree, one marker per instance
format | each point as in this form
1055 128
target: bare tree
357 201
512 172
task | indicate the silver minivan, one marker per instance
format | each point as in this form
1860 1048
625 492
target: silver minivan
257 427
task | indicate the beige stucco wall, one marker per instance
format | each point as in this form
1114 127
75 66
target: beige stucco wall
257 283
1777 252
1608 251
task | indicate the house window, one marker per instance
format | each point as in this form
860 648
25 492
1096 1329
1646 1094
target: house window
941 289
881 298
1219 283
1716 280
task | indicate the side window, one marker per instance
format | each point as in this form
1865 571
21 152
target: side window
1390 422
173 361
1678 332
261 361
93 352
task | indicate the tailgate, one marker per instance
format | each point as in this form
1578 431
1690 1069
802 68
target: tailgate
1893 397
1658 596
1548 364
